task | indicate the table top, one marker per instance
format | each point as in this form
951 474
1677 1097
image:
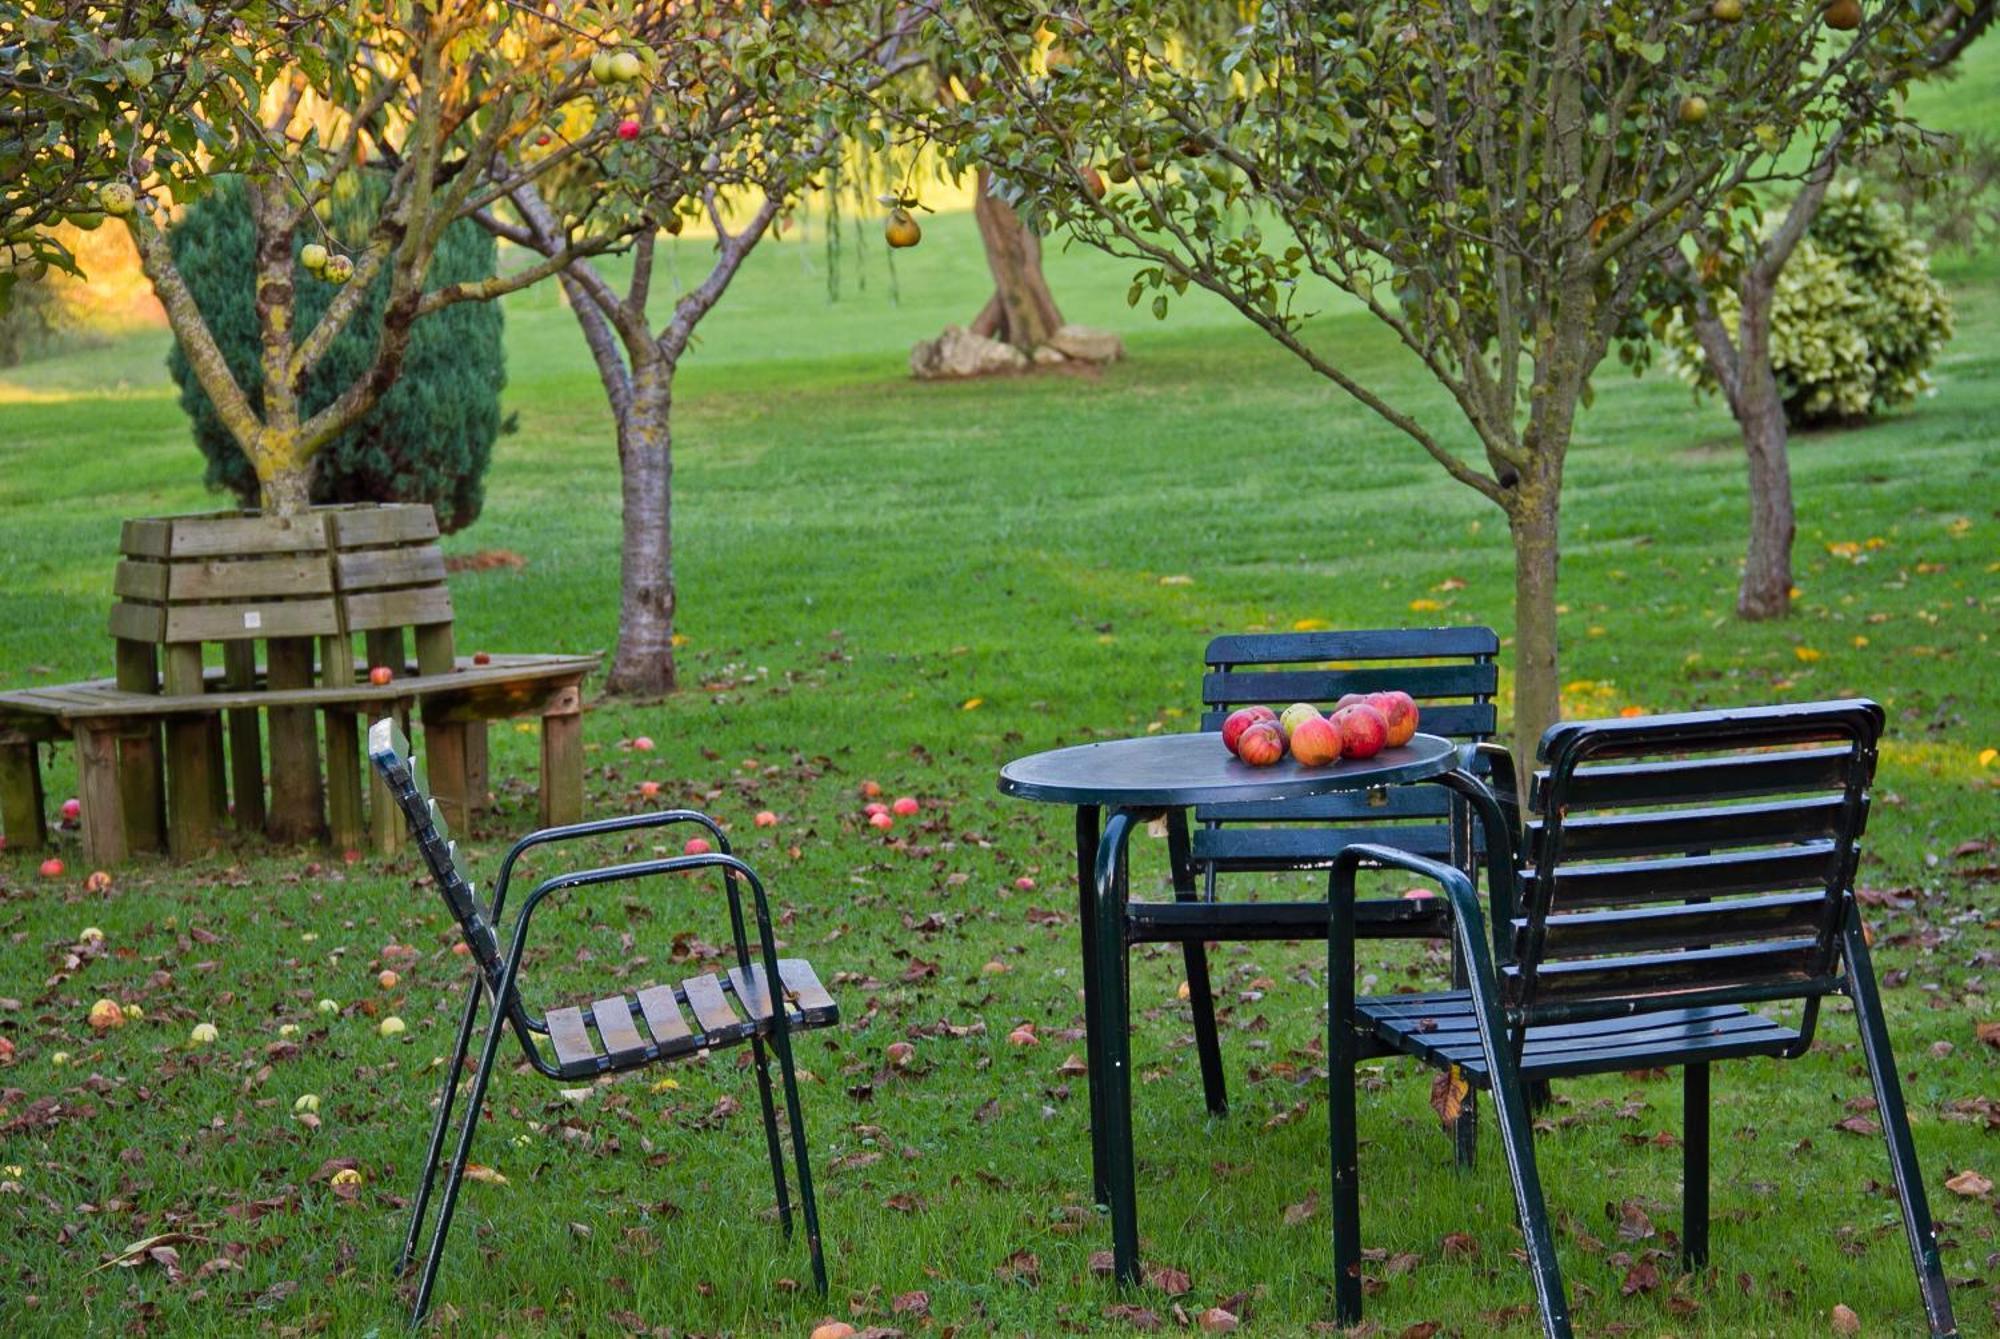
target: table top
1170 771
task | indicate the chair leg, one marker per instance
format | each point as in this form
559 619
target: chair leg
1517 1133
1694 1167
1465 1133
801 1157
1345 1205
771 1142
1908 1173
496 1028
446 1097
1194 955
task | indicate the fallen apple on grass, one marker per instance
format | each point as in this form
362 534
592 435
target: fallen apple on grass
97 881
906 805
72 810
696 846
766 819
106 1015
52 868
649 790
881 819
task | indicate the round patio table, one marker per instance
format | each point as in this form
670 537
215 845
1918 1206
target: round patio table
1137 780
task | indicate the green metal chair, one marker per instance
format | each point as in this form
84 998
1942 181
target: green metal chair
622 1031
1677 870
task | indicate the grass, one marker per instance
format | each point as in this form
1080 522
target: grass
913 584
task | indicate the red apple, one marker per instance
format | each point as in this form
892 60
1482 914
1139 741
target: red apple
481 658
1262 745
98 882
1025 884
649 790
696 846
1399 709
881 820
870 789
1349 700
1242 719
906 805
52 868
766 819
1294 715
875 810
72 810
1363 731
628 129
901 1054
643 743
1316 742
380 675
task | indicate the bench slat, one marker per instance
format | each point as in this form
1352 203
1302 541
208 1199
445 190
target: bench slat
711 1007
1694 780
1649 928
622 1042
571 1038
371 569
663 1018
1813 865
1358 644
249 578
1276 848
414 607
1664 832
1324 686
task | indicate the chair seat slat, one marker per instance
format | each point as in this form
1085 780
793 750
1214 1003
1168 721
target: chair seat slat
711 1008
622 1042
802 984
752 992
663 1018
571 1039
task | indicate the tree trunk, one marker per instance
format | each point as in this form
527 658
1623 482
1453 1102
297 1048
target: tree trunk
288 490
643 664
1766 590
1537 692
1022 312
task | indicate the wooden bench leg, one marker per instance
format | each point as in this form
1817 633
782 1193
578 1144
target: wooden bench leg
562 758
385 820
296 803
478 766
97 788
246 751
444 759
23 808
190 788
343 748
141 779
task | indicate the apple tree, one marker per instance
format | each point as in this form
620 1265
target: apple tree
1747 251
737 118
435 99
1492 183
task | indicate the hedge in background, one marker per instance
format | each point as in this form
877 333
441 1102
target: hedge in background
1857 320
430 437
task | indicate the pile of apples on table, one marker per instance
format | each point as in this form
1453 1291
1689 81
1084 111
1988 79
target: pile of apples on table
1360 725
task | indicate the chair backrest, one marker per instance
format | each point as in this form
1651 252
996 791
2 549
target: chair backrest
404 777
1704 858
1449 671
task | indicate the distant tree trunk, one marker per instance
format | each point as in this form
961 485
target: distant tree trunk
643 664
1534 521
1022 312
1766 589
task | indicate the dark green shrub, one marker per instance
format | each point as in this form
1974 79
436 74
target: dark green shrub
430 436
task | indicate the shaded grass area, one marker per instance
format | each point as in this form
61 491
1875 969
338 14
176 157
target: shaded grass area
913 584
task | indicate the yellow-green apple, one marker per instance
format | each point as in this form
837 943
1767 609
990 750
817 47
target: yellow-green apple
1299 711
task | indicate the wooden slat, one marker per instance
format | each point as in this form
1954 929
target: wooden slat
1374 918
622 1041
394 523
571 1038
138 622
1584 837
227 536
1266 648
751 992
1454 720
397 608
710 1005
663 1019
1658 976
1422 682
246 757
1810 866
249 578
23 807
1303 848
562 759
135 580
1650 928
1734 729
1394 802
370 569
263 618
1691 780
1446 1034
145 538
803 987
190 828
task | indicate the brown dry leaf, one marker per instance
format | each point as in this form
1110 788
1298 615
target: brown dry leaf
1423 1329
1172 1282
1989 1033
1217 1321
1844 1321
1633 1224
138 1252
1858 1125
1969 1184
1102 1263
1020 1267
912 1304
1073 1067
1303 1210
1642 1277
1457 1245
475 1171
1448 1092
1138 1317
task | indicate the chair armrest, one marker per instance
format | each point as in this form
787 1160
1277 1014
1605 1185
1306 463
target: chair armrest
1501 777
1457 887
597 828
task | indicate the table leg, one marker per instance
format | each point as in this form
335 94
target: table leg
1194 955
1115 1045
1087 819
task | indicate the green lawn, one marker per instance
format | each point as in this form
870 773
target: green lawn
912 584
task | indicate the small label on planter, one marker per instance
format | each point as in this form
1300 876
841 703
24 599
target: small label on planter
253 618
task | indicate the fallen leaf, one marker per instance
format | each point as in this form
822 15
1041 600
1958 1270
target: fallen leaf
1969 1184
1448 1092
1844 1320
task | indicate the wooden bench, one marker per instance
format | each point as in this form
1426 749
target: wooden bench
104 717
